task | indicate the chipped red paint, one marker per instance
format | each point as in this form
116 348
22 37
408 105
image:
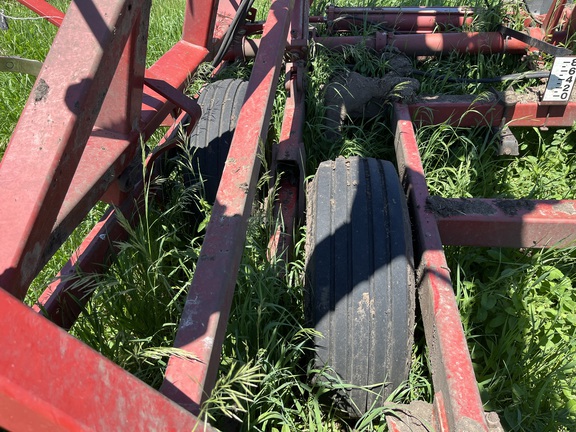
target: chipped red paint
34 224
53 382
431 43
203 323
53 129
467 113
61 302
289 153
505 223
452 372
93 112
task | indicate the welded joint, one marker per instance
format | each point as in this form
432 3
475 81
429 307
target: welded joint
176 97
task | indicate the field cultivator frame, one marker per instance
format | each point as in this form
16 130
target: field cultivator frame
78 142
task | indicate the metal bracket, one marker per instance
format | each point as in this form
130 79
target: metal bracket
19 65
175 96
508 145
542 46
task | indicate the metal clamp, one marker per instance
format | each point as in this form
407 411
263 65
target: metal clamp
542 46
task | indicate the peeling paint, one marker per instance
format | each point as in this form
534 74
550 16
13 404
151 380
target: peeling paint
41 91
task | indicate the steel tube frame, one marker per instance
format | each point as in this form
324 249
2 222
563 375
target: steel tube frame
403 19
63 299
499 112
288 155
50 152
457 403
427 44
25 398
53 382
505 223
203 323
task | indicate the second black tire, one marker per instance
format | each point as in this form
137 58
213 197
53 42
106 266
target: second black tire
210 140
360 277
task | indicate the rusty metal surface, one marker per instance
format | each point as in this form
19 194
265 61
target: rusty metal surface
505 222
68 165
203 324
53 382
288 162
457 399
285 214
467 111
127 107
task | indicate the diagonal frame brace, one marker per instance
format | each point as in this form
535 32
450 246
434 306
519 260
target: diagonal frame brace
46 147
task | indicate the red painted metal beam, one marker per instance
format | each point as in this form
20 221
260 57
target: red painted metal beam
289 153
553 16
413 19
203 324
465 112
107 154
533 114
471 111
505 222
199 22
109 149
432 43
45 10
50 381
457 401
174 68
464 42
42 156
64 298
289 157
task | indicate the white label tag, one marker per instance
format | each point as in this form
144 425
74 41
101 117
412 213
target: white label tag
561 81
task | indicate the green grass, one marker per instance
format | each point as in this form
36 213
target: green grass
518 306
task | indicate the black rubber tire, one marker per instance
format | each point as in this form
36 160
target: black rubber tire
210 140
360 277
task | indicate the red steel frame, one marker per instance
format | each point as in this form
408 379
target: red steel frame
82 128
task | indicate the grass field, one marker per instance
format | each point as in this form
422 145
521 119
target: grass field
518 306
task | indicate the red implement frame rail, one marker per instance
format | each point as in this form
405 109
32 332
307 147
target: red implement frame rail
92 105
